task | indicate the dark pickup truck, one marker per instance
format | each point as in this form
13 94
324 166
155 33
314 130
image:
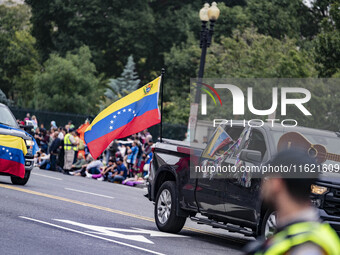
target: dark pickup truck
233 202
10 127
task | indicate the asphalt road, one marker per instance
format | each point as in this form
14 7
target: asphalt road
59 214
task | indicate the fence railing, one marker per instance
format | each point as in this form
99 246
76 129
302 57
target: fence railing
45 117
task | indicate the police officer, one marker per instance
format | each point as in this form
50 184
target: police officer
70 146
299 228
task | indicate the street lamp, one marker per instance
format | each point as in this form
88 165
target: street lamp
206 14
213 12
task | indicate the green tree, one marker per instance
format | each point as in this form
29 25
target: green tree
20 60
23 62
181 64
125 84
327 43
246 54
280 18
112 29
231 18
68 84
253 55
320 9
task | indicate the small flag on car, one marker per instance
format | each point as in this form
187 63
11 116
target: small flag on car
12 155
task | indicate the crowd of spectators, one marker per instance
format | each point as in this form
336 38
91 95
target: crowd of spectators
63 149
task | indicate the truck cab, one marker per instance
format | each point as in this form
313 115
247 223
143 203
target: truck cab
9 126
231 199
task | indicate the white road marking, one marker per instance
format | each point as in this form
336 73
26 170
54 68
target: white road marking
153 233
86 192
98 230
108 231
91 235
55 178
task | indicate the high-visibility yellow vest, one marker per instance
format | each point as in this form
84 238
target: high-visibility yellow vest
67 143
320 234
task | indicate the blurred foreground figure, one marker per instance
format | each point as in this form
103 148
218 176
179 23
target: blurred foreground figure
299 229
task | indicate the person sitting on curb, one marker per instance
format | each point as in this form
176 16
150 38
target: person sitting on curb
79 163
88 169
81 171
93 168
110 168
121 172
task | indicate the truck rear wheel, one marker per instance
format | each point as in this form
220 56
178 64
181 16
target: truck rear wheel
165 209
21 181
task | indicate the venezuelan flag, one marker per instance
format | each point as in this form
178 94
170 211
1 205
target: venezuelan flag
129 115
12 155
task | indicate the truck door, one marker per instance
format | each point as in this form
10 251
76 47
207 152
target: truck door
242 190
210 188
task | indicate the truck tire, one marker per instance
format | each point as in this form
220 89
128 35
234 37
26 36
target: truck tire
165 209
21 181
268 225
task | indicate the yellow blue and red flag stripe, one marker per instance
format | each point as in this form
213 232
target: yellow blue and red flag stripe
12 155
129 115
35 146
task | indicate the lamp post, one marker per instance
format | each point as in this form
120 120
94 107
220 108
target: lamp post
206 14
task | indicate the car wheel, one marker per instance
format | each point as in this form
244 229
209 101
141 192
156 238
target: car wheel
269 224
165 209
21 181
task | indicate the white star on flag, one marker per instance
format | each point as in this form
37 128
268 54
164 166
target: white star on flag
123 110
111 127
129 109
111 121
118 112
114 116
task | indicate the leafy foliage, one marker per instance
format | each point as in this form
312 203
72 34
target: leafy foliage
125 84
231 19
68 84
278 18
253 55
327 43
20 59
112 30
23 59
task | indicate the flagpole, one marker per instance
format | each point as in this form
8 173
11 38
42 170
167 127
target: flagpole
161 124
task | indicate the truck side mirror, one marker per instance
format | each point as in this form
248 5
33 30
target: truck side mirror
251 156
